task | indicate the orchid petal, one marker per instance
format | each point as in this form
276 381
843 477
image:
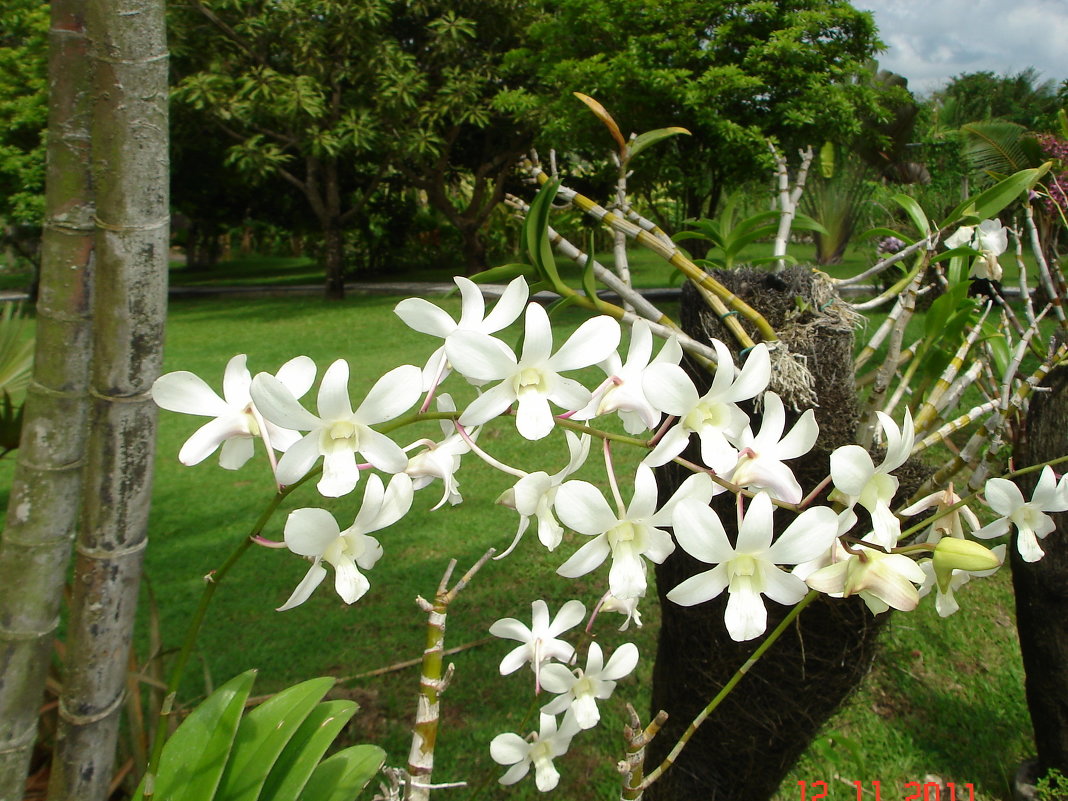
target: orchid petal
312 579
187 393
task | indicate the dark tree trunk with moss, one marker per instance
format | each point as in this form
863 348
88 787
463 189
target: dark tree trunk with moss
1042 587
746 749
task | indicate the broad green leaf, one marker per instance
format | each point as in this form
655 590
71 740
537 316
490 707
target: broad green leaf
757 220
345 774
827 160
589 282
642 141
536 234
504 273
871 233
303 752
263 735
953 253
802 222
988 203
194 757
916 214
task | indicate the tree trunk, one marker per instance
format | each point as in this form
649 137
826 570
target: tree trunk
130 172
42 511
474 249
1042 587
334 260
765 725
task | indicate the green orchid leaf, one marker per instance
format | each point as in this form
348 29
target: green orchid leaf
263 735
642 141
988 203
871 233
195 756
915 213
345 774
802 222
504 273
304 751
536 234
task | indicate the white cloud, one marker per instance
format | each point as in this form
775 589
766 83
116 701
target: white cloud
930 42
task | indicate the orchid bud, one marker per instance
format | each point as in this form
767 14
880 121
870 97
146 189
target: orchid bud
954 554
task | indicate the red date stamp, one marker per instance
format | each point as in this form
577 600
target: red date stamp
910 791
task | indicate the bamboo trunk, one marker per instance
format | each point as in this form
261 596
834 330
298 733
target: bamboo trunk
130 171
43 509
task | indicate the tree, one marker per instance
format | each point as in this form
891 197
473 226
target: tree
981 96
733 73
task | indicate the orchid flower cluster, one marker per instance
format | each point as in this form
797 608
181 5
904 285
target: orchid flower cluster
785 546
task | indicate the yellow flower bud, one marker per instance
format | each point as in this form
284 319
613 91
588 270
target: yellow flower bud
956 554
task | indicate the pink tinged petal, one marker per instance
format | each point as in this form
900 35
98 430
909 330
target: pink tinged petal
801 437
472 304
235 452
508 749
236 381
533 417
755 374
491 403
1003 496
643 503
309 532
669 389
424 317
784 588
298 459
297 375
508 308
746 616
700 532
208 437
277 404
312 579
392 395
538 336
671 445
582 507
807 537
340 474
621 663
186 393
333 401
381 451
349 582
592 342
851 469
754 533
700 588
479 356
589 557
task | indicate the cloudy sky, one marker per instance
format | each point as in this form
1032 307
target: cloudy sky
929 41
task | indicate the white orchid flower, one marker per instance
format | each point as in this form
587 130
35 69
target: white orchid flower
236 421
426 318
624 393
947 523
549 743
991 239
749 569
534 379
579 690
883 580
628 607
1030 518
441 460
535 493
339 433
714 416
945 599
314 533
539 643
858 480
761 456
627 535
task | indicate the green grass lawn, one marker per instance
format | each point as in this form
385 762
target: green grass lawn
945 698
